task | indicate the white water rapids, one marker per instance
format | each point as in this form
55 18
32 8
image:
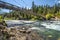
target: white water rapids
36 25
52 25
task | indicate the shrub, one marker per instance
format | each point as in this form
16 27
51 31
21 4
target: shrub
49 16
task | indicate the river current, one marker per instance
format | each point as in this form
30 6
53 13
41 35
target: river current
55 25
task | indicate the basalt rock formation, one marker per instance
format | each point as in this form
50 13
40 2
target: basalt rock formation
17 34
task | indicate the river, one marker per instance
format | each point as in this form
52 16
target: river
55 25
52 25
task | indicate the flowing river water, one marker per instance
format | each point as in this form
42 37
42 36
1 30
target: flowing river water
48 30
55 25
52 25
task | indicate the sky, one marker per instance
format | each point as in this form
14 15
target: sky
28 3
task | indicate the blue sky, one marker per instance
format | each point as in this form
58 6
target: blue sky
28 3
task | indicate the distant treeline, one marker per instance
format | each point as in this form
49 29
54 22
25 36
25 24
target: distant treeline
47 11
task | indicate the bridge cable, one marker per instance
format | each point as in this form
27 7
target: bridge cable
24 2
17 2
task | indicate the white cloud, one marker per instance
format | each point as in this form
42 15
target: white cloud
59 1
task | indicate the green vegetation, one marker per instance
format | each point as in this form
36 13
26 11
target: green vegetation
49 16
47 11
1 18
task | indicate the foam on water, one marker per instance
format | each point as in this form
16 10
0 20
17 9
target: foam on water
48 24
54 25
34 28
37 28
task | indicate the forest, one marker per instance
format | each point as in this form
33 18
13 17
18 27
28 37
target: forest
49 12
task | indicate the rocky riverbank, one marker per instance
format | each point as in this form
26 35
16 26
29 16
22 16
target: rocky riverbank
18 34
